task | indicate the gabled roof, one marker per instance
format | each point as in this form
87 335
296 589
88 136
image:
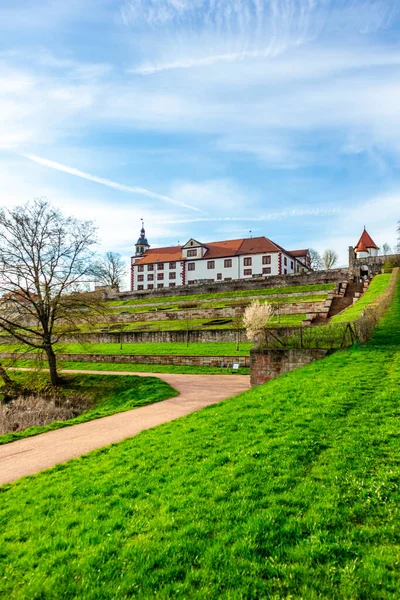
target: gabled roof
222 249
365 242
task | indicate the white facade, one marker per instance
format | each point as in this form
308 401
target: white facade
197 263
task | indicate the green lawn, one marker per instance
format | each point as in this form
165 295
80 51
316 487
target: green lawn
108 395
287 491
377 286
293 289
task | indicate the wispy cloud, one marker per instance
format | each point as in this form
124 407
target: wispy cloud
197 33
107 182
273 216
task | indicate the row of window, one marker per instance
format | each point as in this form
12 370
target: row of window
266 260
160 267
160 276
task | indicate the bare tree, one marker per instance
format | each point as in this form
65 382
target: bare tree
45 262
386 249
237 325
330 258
398 236
316 262
109 270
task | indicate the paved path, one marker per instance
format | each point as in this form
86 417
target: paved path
31 455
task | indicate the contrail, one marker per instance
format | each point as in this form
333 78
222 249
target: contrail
107 182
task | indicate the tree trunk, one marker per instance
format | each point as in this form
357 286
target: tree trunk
52 361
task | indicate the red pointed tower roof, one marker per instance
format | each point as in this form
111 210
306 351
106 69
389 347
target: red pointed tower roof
365 242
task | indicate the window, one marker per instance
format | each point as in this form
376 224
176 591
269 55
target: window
291 264
285 271
190 282
228 279
227 263
140 268
172 275
267 271
140 277
172 284
247 262
219 276
247 272
192 252
172 265
285 261
150 286
140 287
160 266
150 277
150 267
211 264
266 260
191 266
160 285
160 276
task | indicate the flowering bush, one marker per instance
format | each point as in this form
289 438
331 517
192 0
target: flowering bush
256 317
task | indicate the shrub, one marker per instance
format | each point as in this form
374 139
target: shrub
255 319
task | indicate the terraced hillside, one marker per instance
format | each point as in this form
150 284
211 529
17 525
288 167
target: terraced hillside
287 491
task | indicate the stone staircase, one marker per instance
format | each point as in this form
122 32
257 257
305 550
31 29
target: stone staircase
348 292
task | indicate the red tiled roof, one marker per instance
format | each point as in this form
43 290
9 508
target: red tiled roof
365 242
297 253
214 250
156 255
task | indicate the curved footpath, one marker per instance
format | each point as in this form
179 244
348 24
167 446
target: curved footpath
31 455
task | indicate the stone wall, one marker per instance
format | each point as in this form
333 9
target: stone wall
266 364
374 263
227 312
147 359
331 276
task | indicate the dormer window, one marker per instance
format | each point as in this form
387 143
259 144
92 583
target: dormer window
192 252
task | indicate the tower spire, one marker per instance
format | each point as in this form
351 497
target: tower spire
142 244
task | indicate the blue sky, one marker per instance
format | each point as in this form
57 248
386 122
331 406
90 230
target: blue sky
208 118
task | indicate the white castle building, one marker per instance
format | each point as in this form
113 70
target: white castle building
215 261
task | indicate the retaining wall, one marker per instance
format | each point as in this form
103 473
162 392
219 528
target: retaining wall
331 276
148 359
266 364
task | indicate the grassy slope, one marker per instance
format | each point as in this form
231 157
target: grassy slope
377 286
289 490
238 294
109 395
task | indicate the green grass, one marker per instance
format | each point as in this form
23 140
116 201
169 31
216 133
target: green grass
183 324
294 289
135 368
287 491
210 305
108 395
377 286
173 348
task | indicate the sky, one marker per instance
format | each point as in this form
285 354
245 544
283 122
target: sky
211 119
